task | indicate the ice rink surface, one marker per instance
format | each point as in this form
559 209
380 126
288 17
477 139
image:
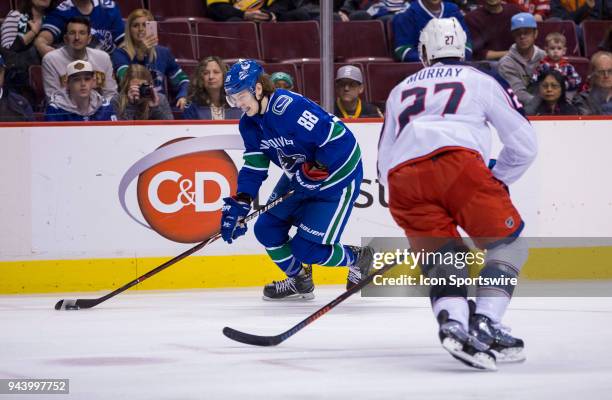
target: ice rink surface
169 345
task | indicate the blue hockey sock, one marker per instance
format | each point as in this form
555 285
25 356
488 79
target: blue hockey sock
339 254
282 256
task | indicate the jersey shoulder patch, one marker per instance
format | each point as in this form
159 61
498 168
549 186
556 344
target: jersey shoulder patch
65 6
107 3
281 103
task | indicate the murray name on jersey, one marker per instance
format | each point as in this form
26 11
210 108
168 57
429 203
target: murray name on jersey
291 131
432 73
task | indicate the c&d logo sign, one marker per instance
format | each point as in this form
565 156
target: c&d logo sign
181 186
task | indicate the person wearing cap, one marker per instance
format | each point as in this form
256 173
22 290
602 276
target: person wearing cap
76 41
518 66
79 101
349 86
282 80
13 107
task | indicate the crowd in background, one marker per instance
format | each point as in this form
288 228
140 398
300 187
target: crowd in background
101 63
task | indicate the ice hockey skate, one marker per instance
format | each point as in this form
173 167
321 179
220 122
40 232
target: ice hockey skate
299 287
361 267
464 347
506 347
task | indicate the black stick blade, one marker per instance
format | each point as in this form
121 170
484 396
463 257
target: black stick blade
87 303
67 305
254 340
76 304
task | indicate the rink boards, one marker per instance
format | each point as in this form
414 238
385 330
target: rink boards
92 206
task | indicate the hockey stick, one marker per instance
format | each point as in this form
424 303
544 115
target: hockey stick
256 340
89 303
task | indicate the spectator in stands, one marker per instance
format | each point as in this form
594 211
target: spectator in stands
79 101
106 24
137 98
76 39
206 98
18 32
257 10
555 59
349 86
364 10
13 107
282 80
597 100
407 27
490 29
518 65
551 96
579 10
140 48
540 9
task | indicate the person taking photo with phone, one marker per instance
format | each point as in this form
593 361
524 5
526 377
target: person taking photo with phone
142 48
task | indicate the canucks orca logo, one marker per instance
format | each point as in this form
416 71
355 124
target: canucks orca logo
291 161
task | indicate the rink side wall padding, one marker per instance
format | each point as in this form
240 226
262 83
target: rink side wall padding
91 206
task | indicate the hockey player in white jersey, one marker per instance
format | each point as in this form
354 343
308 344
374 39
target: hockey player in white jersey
432 157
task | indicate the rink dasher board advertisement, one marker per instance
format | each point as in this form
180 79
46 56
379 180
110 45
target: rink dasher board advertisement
104 203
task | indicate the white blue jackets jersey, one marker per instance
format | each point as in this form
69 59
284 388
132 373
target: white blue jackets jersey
107 27
294 130
449 106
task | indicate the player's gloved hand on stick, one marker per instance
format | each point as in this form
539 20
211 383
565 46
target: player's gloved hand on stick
308 179
234 209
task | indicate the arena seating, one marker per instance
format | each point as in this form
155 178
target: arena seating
582 66
5 7
294 47
594 32
176 33
182 8
36 83
299 40
359 40
127 6
227 40
382 77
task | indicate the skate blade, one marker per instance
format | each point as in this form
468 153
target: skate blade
479 360
512 355
293 297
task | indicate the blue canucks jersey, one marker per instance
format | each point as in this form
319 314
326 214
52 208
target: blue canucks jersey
55 113
407 27
107 27
294 130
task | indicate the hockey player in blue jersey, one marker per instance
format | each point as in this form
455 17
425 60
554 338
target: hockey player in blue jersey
321 161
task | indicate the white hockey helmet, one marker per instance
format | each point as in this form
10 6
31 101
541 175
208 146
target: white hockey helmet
442 37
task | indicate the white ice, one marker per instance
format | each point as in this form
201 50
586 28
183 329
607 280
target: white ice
169 345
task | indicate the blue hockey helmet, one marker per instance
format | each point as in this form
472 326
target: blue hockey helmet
242 76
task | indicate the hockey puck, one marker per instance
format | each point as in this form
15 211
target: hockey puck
58 305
